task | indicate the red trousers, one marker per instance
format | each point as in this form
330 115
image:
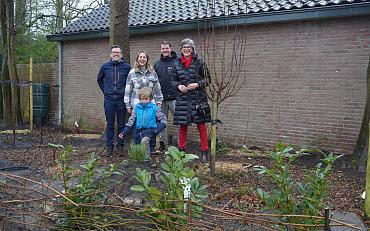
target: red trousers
202 134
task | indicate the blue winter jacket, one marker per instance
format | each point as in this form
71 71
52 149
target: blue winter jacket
112 78
146 116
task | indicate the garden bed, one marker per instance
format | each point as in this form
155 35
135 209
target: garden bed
233 187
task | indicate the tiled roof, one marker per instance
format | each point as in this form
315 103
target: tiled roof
146 12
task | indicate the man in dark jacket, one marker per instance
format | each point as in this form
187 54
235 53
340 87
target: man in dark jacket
163 68
112 82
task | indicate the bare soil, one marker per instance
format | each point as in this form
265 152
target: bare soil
234 185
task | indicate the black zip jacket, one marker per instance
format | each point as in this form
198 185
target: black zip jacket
185 109
163 68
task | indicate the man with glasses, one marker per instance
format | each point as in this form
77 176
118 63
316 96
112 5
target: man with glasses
112 82
163 68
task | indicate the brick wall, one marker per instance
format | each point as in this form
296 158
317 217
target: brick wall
306 82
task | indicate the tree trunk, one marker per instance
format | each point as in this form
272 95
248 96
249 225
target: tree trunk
9 4
18 92
5 72
362 141
18 27
20 14
59 15
118 26
214 113
7 113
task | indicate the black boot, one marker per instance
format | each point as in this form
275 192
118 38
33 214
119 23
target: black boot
204 157
162 146
108 151
120 150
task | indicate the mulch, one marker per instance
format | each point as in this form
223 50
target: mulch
234 185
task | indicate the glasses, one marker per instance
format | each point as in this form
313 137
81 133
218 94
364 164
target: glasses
186 47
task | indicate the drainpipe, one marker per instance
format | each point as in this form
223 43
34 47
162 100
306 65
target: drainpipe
60 92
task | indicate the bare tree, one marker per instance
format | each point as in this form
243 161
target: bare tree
15 102
20 16
49 16
223 51
29 17
5 72
118 26
59 14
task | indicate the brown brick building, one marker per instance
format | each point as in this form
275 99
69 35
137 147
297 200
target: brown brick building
305 64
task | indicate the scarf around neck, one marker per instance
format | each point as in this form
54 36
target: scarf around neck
186 62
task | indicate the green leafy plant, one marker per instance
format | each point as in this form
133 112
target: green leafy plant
137 152
64 163
87 188
166 204
299 198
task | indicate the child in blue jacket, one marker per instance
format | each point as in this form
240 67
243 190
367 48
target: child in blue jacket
148 121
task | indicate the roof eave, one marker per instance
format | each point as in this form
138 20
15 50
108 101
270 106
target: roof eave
78 35
346 10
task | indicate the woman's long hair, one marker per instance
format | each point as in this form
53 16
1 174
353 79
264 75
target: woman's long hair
148 65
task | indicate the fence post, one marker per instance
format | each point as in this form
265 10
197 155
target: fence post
31 99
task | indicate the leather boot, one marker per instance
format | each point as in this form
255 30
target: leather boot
204 157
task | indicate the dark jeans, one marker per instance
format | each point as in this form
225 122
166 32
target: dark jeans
149 132
114 109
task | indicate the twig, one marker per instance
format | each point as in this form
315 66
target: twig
38 183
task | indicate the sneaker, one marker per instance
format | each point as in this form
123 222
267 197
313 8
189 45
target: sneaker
120 150
108 151
162 146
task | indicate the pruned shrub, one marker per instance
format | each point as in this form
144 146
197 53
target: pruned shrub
292 197
167 204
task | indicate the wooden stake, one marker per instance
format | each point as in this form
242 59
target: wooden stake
31 98
327 220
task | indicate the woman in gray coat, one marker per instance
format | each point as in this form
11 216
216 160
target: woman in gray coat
142 75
